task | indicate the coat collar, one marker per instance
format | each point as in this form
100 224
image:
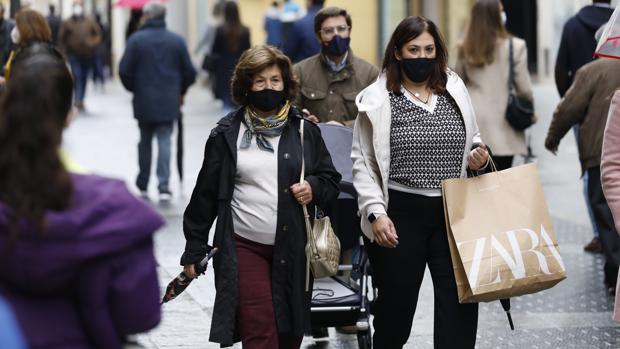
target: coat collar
372 97
231 123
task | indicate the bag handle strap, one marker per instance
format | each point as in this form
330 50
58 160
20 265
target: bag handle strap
511 71
310 236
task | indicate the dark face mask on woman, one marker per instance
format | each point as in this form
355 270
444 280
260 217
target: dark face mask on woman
418 69
337 46
267 99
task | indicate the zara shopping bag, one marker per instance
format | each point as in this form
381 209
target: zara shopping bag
501 237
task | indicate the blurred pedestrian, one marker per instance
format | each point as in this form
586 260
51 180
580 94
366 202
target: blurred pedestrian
54 22
30 29
484 64
101 52
586 103
610 172
416 127
157 69
134 22
301 41
273 25
77 262
255 194
10 336
231 39
577 47
79 37
205 44
331 79
6 27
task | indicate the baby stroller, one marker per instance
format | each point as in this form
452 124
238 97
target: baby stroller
341 300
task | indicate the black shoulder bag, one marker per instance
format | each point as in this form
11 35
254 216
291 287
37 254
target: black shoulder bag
520 111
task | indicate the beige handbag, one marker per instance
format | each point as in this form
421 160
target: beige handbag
323 246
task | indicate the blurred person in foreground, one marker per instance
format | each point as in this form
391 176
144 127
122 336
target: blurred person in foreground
78 38
484 65
610 172
157 69
416 127
76 260
331 79
300 41
249 181
232 38
586 103
31 33
577 46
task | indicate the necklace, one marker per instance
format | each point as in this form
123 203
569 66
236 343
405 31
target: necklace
417 96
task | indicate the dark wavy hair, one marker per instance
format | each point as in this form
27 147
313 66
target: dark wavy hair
255 60
33 113
409 29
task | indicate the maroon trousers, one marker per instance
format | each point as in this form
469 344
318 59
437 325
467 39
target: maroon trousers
257 321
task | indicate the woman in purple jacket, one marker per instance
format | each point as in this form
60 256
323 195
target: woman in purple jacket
76 251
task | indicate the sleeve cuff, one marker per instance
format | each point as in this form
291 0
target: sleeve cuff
376 209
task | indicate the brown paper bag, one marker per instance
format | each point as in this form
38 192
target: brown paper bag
501 237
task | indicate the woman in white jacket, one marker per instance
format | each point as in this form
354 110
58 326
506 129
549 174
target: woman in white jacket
416 127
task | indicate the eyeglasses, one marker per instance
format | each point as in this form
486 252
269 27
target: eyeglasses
331 30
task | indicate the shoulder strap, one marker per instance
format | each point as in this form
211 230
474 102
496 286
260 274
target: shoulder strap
511 71
303 162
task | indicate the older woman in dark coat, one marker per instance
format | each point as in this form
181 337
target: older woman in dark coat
249 182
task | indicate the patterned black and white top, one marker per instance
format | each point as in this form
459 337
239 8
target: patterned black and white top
426 146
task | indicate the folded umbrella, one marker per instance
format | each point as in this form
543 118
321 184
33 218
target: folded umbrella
180 283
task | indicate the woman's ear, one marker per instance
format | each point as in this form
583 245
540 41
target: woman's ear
397 54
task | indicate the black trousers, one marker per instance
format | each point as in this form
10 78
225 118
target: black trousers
398 273
605 222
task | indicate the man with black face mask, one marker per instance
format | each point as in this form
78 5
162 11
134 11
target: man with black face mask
331 79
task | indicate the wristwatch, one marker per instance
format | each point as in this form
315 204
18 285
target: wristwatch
372 218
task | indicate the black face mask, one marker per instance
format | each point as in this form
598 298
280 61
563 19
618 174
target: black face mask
418 69
337 46
267 99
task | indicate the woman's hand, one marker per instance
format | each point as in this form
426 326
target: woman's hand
302 192
385 232
478 157
310 116
190 271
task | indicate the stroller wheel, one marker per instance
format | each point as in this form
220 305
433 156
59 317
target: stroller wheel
364 339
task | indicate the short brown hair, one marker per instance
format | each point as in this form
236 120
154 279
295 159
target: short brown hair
255 60
329 12
32 27
409 29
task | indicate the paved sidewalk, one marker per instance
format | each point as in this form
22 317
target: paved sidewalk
574 314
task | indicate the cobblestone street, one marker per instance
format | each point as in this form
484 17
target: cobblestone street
574 314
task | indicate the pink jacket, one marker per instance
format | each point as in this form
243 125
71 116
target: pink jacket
610 172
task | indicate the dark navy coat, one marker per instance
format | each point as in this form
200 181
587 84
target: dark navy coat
578 44
157 68
301 41
211 199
